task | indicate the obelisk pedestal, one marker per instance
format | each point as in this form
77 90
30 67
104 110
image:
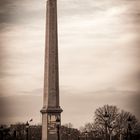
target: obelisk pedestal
51 111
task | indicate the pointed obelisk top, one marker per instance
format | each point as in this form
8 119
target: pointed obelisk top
51 85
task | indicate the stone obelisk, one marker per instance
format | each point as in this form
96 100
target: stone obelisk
51 111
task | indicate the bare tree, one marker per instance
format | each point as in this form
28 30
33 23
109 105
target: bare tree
105 119
109 120
122 123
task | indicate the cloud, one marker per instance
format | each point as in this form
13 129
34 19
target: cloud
21 25
23 12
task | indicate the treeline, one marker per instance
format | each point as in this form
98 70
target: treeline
19 132
109 123
112 123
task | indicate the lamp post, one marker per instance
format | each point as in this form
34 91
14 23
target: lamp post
106 117
69 131
27 130
1 132
129 120
120 135
110 131
27 125
122 130
93 134
78 137
69 135
58 128
86 135
15 134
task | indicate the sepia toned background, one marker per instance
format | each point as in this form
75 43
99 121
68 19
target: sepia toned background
99 58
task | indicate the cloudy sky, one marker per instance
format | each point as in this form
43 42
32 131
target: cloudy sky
99 57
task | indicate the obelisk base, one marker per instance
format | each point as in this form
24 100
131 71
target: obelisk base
50 128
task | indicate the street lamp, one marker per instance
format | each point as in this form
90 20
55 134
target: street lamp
1 132
69 135
58 127
120 131
27 125
111 126
106 117
129 120
93 134
86 135
69 131
78 137
4 132
27 130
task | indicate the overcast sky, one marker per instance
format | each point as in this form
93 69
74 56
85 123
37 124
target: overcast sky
99 58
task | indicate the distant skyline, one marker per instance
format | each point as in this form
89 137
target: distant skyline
99 57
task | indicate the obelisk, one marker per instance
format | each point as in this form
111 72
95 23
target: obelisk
51 111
